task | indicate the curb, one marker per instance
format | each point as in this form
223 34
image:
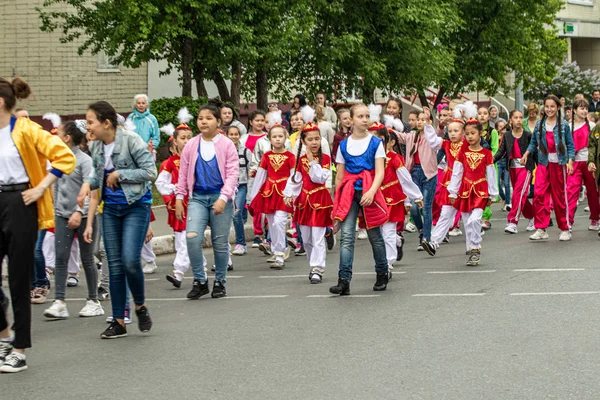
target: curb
165 244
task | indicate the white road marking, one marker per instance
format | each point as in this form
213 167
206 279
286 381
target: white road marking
553 293
213 277
548 269
151 279
306 275
463 272
448 294
324 296
272 296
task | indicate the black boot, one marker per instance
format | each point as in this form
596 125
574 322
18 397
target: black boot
342 288
400 249
381 283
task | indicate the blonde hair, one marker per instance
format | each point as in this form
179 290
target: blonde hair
320 112
533 107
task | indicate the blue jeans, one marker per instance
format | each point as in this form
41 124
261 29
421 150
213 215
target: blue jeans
200 215
348 232
427 187
504 181
39 265
241 214
124 230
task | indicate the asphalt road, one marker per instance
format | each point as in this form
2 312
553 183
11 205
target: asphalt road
523 325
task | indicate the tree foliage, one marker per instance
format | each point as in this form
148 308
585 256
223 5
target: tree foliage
569 81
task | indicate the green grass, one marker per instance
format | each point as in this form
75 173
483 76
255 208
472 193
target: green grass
157 199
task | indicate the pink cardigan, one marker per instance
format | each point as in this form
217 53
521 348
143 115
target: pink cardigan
427 155
227 159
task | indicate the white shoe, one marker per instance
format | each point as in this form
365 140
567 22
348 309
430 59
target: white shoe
239 250
91 309
564 236
110 319
455 232
539 234
58 310
362 234
531 226
390 267
511 228
587 209
286 253
594 226
410 227
150 268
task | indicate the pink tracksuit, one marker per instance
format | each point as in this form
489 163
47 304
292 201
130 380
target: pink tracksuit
581 175
520 179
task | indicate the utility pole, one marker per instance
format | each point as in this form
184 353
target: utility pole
519 102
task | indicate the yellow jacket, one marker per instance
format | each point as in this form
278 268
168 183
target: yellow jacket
35 146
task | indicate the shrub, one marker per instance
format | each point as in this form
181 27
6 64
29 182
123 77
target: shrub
569 81
165 110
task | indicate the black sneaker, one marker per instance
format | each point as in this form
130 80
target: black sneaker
446 239
381 282
300 251
342 288
400 249
114 331
198 290
218 290
213 268
428 247
171 278
230 267
315 278
14 363
103 294
551 223
5 349
144 320
330 239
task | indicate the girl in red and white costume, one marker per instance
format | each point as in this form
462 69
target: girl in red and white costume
308 186
581 128
166 184
398 190
473 186
276 166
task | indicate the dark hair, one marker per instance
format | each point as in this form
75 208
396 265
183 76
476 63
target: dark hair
397 101
104 112
542 126
232 108
14 90
301 99
253 115
576 105
213 109
320 156
176 133
72 130
295 112
477 125
510 115
415 113
233 127
594 91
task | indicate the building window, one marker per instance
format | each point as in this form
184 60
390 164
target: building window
589 3
105 64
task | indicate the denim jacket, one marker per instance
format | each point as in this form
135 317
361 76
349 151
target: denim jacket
563 158
132 161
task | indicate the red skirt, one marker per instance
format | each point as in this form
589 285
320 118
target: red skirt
172 220
441 197
470 203
270 198
397 212
314 208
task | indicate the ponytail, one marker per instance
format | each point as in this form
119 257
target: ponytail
416 146
298 157
561 145
542 126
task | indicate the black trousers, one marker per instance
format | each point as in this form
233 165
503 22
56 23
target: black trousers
18 234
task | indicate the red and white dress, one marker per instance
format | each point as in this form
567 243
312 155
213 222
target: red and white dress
270 181
168 176
473 169
452 150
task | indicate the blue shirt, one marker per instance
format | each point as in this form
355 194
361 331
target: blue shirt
117 196
357 164
208 176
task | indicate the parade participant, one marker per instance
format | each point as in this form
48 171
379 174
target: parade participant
208 173
553 142
123 170
307 189
276 166
581 129
166 183
513 146
25 208
490 135
360 171
241 212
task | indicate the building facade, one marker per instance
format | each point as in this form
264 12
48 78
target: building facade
61 80
579 23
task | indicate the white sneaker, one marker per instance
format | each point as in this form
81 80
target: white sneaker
564 236
91 309
286 253
390 267
594 226
531 225
410 227
539 234
239 250
587 209
511 228
362 234
455 232
150 268
58 310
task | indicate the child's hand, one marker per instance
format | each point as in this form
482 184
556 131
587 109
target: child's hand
252 173
309 156
570 168
452 200
287 201
88 234
149 234
490 201
407 208
219 206
592 167
367 199
419 203
524 159
179 210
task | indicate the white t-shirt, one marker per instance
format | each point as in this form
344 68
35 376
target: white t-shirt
12 170
207 149
357 148
108 150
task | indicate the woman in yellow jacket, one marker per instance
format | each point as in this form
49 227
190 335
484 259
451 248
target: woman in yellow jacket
25 207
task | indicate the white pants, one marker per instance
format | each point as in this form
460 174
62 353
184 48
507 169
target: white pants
182 260
444 224
50 253
388 231
147 253
472 223
313 238
277 223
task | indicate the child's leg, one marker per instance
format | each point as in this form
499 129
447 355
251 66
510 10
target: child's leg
220 226
520 178
87 259
198 217
378 247
148 254
541 197
314 238
592 194
388 231
574 183
74 258
48 249
277 223
347 238
443 226
558 176
182 260
468 243
472 223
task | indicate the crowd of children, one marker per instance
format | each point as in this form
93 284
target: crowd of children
362 172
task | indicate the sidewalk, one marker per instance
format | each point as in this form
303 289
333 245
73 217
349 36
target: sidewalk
163 241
